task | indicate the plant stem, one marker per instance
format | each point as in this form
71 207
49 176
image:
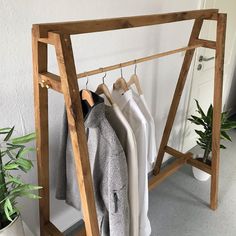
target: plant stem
206 153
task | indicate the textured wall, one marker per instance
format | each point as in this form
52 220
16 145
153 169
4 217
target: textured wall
158 78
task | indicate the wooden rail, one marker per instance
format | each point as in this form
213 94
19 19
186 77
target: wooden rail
53 81
90 26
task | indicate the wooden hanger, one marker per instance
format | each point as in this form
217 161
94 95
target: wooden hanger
103 89
135 80
120 83
86 95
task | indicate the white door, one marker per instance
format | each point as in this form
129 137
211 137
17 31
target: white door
203 69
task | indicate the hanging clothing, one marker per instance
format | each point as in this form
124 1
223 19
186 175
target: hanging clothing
152 150
139 125
108 168
127 139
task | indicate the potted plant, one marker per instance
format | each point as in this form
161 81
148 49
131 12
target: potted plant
13 154
205 136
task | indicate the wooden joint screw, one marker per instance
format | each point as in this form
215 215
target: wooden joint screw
45 84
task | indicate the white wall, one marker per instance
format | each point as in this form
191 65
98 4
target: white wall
158 78
231 103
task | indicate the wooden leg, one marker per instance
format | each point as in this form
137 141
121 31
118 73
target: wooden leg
77 131
217 104
41 125
177 95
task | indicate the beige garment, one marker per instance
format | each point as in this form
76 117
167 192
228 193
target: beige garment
139 126
127 139
152 150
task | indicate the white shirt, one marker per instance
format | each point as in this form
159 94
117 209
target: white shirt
127 139
152 150
139 126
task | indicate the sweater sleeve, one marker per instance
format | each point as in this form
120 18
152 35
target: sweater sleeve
61 169
118 196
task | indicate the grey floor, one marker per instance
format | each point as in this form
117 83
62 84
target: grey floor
179 206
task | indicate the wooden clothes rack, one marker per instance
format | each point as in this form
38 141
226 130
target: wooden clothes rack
58 35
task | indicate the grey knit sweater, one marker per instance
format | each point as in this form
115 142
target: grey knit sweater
109 171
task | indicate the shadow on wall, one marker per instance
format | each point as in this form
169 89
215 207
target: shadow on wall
231 103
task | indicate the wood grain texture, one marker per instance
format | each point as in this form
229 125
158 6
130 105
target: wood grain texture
200 165
137 61
177 95
66 83
89 26
165 172
206 43
177 154
52 80
217 107
81 231
189 159
52 230
77 130
39 52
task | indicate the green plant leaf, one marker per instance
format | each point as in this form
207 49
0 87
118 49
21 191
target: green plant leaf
222 146
9 154
209 115
25 164
24 151
224 116
15 180
5 130
210 111
24 139
11 166
30 195
8 209
197 120
9 134
26 188
228 125
201 134
200 111
203 146
225 136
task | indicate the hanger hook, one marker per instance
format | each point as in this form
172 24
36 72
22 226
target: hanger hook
135 67
87 82
121 71
103 78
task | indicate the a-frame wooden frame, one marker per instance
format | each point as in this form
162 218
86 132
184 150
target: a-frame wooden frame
58 35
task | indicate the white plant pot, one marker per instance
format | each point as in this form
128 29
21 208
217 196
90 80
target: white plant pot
200 175
15 228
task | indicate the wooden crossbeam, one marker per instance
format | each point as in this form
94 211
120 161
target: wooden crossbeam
51 80
139 60
52 230
176 153
200 165
54 81
206 43
189 159
166 172
90 26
